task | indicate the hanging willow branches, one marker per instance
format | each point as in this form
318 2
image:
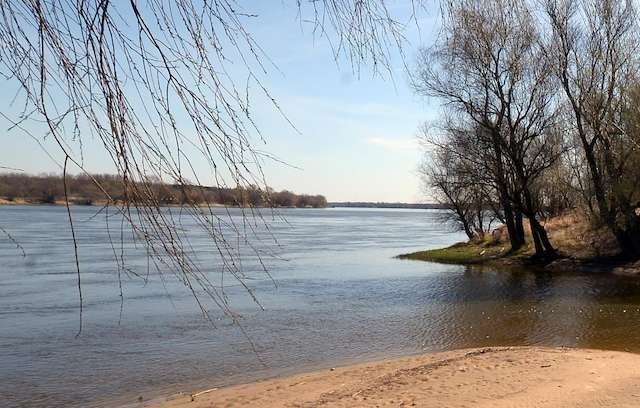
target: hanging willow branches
164 86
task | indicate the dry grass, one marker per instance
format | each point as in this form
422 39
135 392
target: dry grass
572 235
576 237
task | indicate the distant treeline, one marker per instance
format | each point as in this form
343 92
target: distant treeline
82 189
357 204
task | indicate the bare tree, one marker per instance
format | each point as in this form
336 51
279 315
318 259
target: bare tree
593 46
489 68
451 176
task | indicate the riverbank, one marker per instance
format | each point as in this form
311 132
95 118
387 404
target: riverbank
580 248
84 189
90 203
488 377
103 203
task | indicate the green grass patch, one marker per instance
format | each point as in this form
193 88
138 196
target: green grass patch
463 253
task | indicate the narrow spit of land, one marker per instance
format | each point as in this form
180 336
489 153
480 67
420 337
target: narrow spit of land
581 247
491 377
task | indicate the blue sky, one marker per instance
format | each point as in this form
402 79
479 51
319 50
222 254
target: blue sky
357 132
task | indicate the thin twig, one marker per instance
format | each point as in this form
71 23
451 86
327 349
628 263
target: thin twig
75 242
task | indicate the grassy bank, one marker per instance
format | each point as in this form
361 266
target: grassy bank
464 253
579 245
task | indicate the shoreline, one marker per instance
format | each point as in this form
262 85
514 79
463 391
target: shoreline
470 254
580 246
58 203
484 377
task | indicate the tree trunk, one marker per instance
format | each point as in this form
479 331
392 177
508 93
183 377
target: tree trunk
519 227
467 229
543 247
606 210
516 238
512 220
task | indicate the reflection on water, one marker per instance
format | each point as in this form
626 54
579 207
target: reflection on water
340 298
488 307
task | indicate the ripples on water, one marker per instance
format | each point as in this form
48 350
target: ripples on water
340 298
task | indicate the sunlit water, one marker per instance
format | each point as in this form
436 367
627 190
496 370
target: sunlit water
340 297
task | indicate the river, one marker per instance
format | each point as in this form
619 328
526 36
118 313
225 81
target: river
337 296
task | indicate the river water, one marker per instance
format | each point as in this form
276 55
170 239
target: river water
337 296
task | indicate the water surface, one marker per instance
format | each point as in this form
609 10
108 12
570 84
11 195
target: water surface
340 298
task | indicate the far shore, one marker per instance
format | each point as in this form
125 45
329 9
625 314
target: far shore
487 377
102 203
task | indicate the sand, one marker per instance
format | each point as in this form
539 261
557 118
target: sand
490 377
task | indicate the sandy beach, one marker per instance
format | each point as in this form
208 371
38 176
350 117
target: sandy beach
489 377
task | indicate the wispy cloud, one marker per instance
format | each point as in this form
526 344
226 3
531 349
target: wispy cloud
355 110
394 144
